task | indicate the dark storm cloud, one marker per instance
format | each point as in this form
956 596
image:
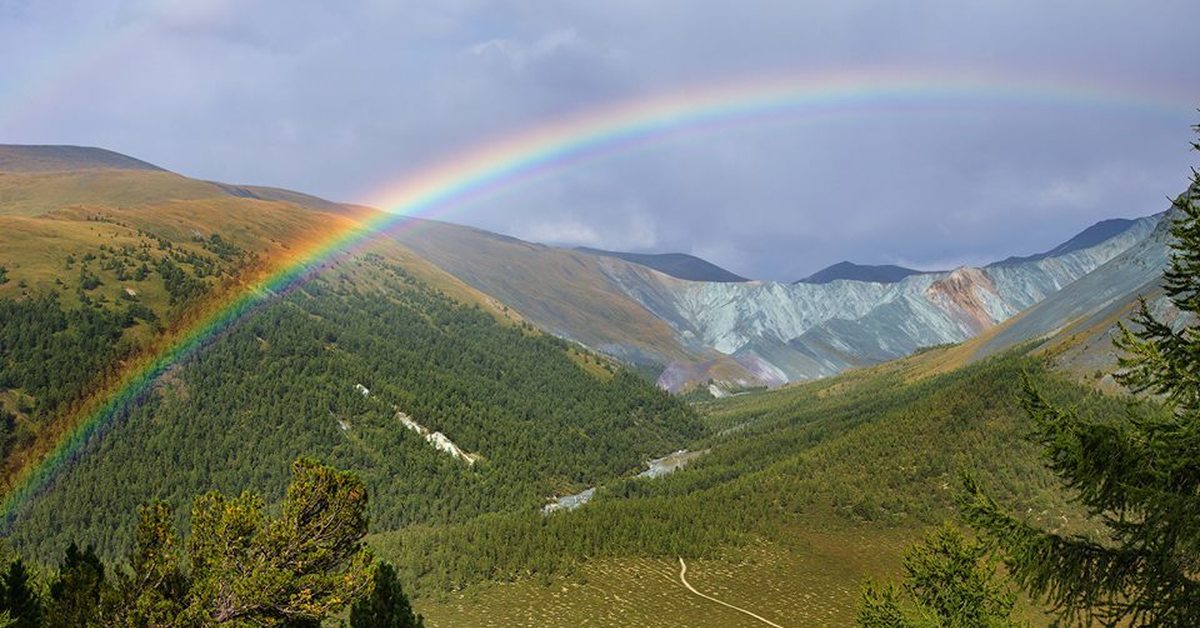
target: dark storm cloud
339 99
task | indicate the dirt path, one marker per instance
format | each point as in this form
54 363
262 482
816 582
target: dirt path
683 579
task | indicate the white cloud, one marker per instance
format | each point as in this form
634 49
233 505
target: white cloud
622 230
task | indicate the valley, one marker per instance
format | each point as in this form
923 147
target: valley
525 467
487 314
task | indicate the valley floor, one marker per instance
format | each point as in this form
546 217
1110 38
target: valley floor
812 579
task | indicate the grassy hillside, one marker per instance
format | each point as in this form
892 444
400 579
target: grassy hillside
88 288
38 193
829 478
59 158
126 258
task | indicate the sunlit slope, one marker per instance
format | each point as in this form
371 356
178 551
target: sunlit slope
115 263
50 214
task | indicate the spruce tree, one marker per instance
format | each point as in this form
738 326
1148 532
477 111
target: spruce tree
75 593
21 599
1139 476
386 606
950 581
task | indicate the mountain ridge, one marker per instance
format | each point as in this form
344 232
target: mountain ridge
847 270
678 265
1091 236
61 157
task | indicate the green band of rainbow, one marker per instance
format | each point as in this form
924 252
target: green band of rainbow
562 143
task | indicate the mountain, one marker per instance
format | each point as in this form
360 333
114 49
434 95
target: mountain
49 158
678 265
1092 236
858 272
450 369
816 330
754 332
744 333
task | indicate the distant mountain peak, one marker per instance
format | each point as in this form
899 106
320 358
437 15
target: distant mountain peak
1093 235
885 273
678 265
51 158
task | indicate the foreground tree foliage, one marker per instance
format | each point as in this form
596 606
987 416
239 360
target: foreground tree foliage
950 581
305 564
21 599
237 566
386 606
75 593
1139 475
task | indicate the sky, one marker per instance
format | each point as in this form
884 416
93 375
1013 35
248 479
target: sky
343 99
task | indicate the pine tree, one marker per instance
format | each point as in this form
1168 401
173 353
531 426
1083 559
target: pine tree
950 581
75 593
301 566
386 606
21 600
152 593
1139 476
245 568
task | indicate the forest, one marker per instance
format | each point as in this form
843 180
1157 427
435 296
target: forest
289 381
779 460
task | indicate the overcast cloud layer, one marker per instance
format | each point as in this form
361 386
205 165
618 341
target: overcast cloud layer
339 99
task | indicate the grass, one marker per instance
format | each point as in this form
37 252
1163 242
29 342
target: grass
39 193
813 578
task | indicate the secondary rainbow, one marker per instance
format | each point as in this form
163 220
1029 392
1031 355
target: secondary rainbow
540 151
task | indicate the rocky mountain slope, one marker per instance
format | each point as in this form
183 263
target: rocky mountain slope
756 332
814 330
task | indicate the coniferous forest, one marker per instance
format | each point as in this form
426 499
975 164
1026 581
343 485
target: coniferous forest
323 372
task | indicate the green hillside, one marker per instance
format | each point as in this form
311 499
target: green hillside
99 275
104 266
283 384
812 478
463 420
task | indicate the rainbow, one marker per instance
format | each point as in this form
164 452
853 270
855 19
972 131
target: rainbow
539 152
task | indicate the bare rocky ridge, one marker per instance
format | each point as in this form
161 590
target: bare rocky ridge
814 330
